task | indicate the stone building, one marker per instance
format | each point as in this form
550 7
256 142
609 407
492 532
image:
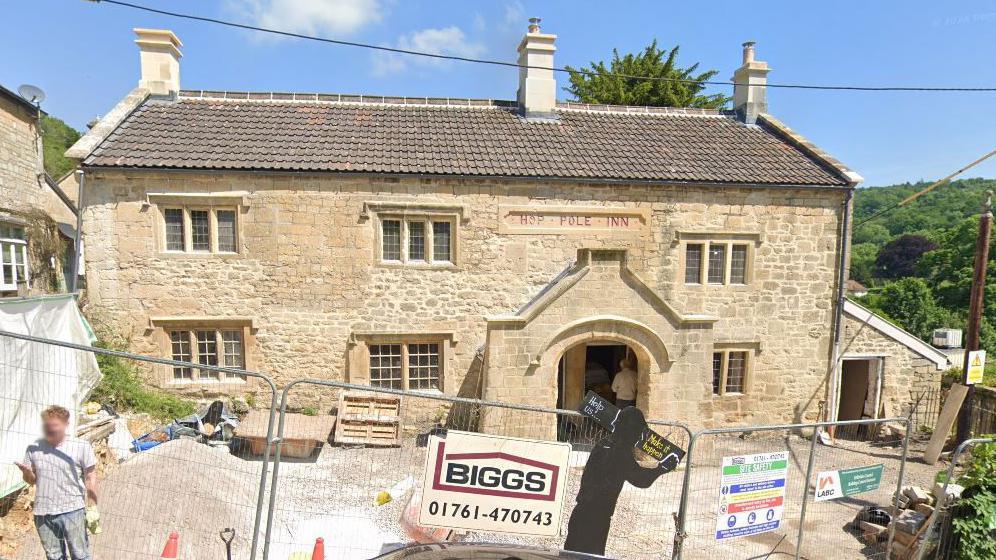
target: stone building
37 222
509 250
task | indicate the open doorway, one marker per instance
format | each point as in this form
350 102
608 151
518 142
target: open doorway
589 367
860 393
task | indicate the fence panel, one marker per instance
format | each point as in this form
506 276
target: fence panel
774 467
862 451
941 541
183 485
332 492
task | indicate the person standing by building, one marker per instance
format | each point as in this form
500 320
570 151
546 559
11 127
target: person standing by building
63 470
624 383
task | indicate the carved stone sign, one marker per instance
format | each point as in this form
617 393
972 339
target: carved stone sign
572 220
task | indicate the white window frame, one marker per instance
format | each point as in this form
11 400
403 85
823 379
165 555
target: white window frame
724 371
728 245
429 219
10 248
196 375
188 234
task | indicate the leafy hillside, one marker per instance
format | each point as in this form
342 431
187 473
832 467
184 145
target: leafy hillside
57 136
918 260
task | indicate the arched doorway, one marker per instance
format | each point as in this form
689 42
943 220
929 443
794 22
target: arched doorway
608 368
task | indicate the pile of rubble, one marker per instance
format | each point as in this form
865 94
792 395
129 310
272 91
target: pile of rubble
917 509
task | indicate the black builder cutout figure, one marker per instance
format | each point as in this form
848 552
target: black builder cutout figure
610 465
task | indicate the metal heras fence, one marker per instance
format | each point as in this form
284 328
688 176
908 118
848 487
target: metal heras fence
750 492
941 541
335 495
181 485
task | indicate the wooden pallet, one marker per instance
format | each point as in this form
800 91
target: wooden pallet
368 419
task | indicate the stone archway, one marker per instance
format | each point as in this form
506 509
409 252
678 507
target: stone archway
648 348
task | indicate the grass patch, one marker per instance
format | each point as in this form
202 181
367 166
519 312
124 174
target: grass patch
123 388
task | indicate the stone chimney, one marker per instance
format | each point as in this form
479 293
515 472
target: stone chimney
750 97
537 95
160 56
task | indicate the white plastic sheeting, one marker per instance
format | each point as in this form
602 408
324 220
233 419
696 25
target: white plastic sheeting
34 375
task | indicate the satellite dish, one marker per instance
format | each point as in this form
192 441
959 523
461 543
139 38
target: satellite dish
32 93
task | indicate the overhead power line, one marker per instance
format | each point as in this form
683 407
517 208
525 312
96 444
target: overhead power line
922 192
515 65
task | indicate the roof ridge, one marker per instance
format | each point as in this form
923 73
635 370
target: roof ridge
363 99
215 95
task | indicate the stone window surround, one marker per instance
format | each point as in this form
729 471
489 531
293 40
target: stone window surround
379 211
750 349
236 201
683 239
358 366
9 246
160 328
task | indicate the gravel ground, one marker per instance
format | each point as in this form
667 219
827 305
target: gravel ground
197 491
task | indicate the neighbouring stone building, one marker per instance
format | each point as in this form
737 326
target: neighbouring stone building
37 226
509 250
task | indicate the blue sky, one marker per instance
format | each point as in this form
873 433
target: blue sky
83 56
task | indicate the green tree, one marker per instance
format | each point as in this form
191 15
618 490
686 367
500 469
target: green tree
872 232
57 137
863 256
949 268
910 303
601 83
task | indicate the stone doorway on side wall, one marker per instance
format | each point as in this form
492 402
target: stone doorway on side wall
860 394
589 366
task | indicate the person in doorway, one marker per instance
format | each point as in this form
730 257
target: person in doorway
63 470
624 383
610 465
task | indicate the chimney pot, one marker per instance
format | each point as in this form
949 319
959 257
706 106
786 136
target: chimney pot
748 52
537 96
159 54
750 84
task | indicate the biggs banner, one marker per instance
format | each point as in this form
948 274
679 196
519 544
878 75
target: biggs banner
498 484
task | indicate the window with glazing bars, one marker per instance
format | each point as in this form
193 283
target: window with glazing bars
226 231
441 242
423 366
417 241
13 257
385 366
391 240
210 230
693 263
729 372
209 347
717 264
717 373
738 264
174 229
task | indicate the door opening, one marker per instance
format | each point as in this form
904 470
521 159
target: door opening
860 387
588 367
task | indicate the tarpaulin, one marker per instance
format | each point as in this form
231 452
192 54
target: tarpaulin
34 375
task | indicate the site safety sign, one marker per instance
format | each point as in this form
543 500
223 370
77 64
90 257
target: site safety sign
976 366
496 484
751 494
831 485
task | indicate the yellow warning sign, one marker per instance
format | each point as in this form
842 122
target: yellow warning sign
976 366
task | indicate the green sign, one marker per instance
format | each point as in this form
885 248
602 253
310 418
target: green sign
831 485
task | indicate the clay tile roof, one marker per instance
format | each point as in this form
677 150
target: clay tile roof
373 134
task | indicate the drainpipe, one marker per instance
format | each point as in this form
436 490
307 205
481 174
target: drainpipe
845 233
81 176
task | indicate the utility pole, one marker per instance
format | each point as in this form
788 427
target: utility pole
975 308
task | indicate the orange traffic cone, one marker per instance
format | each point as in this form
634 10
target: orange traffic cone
319 552
171 550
